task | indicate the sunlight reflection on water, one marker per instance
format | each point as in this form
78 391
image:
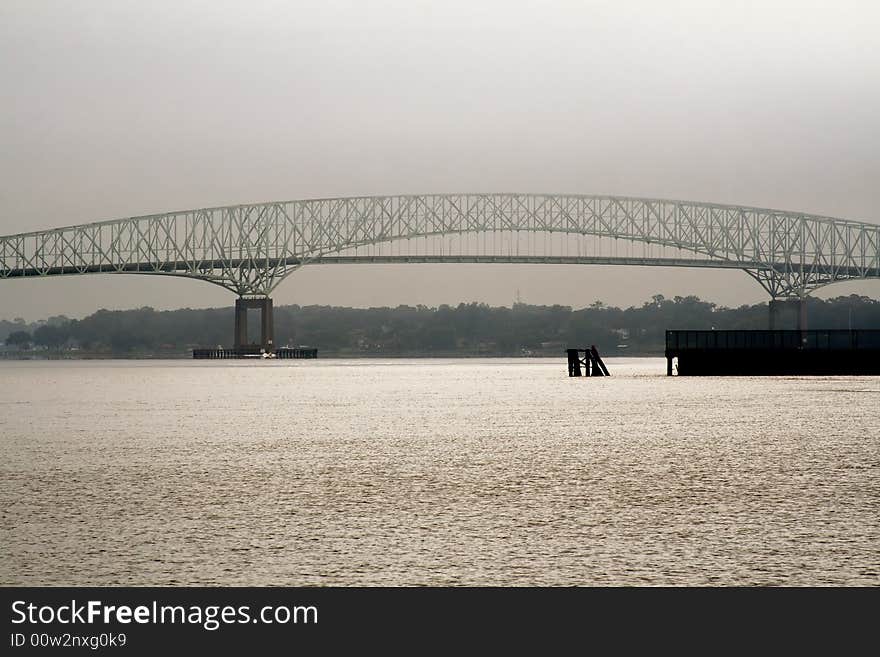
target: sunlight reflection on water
400 472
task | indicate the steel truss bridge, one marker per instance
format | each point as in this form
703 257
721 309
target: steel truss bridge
250 249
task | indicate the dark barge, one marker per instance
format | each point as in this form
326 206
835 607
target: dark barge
767 353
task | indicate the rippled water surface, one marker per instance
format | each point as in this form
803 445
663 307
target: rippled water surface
433 472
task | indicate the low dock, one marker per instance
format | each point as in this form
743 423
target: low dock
767 353
254 352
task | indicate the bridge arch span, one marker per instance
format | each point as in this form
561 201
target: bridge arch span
250 249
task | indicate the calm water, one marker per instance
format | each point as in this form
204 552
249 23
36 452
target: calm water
433 472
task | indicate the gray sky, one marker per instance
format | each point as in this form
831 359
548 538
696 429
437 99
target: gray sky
125 107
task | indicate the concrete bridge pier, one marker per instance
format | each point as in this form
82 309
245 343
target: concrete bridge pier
802 314
267 323
788 314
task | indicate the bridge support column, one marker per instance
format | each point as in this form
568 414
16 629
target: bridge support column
775 310
241 332
267 323
788 314
802 313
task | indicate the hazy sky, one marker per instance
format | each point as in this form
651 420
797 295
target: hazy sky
122 107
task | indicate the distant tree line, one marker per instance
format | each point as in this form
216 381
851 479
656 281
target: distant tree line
466 329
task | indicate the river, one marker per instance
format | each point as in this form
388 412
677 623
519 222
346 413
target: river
433 472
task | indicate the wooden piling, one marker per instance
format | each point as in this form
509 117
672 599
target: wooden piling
592 362
574 362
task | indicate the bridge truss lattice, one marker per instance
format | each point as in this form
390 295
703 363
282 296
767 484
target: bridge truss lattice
250 249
